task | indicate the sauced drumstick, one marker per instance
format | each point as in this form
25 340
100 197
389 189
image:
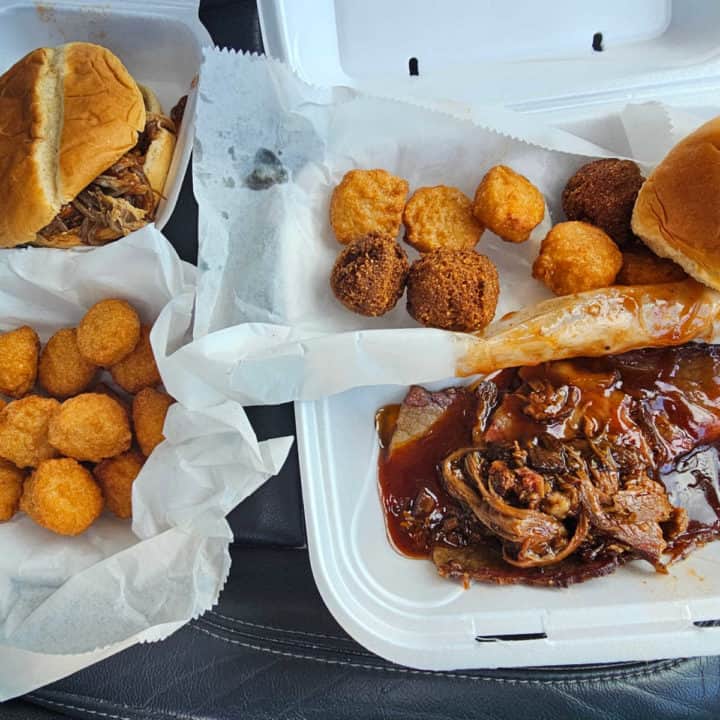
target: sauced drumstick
595 323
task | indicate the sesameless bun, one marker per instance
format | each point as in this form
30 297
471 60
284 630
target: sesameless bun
677 212
162 143
102 113
84 150
28 139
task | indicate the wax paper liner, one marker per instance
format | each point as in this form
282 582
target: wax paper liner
266 326
120 583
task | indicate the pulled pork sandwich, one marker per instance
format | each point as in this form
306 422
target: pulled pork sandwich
84 150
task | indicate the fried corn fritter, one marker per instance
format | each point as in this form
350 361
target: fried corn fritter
108 332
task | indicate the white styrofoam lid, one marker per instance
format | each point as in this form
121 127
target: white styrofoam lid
484 52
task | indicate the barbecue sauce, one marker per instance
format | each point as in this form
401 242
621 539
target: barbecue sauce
682 384
411 473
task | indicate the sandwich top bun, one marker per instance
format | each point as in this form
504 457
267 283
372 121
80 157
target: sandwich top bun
677 211
66 115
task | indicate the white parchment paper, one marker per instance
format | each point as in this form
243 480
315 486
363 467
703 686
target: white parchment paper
120 583
267 327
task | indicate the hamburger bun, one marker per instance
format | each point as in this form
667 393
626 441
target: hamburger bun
677 211
156 165
160 151
69 114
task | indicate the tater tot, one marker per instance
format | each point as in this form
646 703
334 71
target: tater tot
508 204
90 427
575 257
149 409
116 477
62 370
24 430
441 217
11 487
19 351
62 496
367 202
108 332
139 369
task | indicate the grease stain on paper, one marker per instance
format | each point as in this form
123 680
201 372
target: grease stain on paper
268 170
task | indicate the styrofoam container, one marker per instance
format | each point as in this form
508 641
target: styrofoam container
160 43
536 58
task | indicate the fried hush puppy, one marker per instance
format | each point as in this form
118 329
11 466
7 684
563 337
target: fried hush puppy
367 202
24 430
149 409
62 370
508 204
19 351
90 427
603 193
440 217
453 290
62 496
369 275
575 257
115 477
642 267
108 333
139 369
11 487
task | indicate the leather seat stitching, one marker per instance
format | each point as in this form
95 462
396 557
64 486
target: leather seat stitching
292 642
279 629
456 676
43 701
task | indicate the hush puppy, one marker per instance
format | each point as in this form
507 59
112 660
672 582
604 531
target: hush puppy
642 267
19 351
149 409
138 370
24 430
90 427
603 193
575 257
508 204
11 487
115 477
453 290
108 333
62 370
369 275
367 202
440 217
62 496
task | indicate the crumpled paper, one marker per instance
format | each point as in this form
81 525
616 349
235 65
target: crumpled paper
266 326
120 583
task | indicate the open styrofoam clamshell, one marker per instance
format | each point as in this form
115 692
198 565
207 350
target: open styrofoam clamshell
576 65
160 43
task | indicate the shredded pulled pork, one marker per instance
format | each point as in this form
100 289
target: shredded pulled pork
544 498
116 203
557 473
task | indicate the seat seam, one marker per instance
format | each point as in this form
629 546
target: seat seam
301 644
667 665
100 713
136 712
279 629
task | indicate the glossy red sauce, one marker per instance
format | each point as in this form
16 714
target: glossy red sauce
679 387
413 467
